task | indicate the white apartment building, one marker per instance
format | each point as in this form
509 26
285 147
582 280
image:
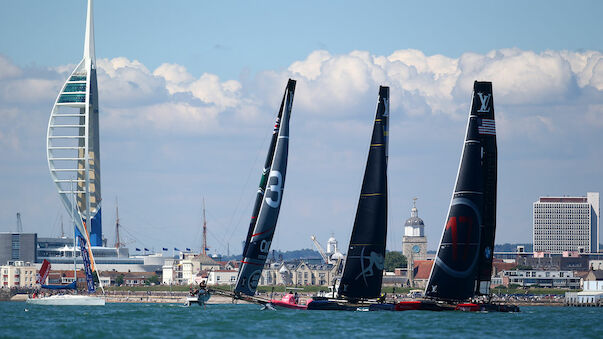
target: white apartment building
566 224
18 274
222 277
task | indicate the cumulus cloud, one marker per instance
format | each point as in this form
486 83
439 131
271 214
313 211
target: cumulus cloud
549 108
337 84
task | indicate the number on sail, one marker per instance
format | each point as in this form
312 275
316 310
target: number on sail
275 185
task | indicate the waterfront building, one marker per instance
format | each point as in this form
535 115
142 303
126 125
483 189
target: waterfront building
222 277
420 273
17 274
414 242
186 269
566 224
72 143
18 247
535 278
592 291
298 273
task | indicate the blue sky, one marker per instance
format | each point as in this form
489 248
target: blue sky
189 89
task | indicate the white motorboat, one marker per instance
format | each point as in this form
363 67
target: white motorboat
68 300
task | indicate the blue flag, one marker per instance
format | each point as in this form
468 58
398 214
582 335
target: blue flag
165 249
138 249
146 249
175 249
188 249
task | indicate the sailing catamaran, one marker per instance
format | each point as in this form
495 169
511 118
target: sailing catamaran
268 201
463 266
69 299
363 269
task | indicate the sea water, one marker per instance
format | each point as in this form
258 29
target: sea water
20 320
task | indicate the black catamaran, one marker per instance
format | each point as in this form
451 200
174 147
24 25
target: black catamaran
268 201
463 266
363 270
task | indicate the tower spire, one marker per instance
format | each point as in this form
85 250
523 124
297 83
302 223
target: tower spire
414 212
89 39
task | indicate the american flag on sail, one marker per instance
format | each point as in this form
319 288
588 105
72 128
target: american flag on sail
277 124
486 126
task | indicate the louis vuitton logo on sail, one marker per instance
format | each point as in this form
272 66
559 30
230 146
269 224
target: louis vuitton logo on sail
485 102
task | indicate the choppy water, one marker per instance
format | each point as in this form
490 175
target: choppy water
19 320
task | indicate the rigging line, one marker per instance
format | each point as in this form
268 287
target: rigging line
220 243
216 221
235 227
146 244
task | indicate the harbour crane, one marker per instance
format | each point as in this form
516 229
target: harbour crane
320 249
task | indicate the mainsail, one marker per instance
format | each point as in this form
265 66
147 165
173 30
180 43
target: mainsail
463 264
363 271
268 200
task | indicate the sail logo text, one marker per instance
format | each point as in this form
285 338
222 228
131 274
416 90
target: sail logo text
485 101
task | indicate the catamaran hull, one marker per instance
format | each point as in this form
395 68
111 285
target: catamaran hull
68 300
200 300
487 307
282 304
423 305
329 305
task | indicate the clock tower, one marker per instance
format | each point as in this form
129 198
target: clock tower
414 242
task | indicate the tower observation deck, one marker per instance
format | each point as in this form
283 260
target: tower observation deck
72 142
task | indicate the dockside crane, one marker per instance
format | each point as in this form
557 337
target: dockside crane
320 249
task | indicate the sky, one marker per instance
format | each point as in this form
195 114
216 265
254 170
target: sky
189 90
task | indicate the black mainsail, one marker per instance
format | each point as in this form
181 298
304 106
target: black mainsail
268 200
363 271
463 264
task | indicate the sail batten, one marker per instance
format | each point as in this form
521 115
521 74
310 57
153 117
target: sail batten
463 263
363 270
268 200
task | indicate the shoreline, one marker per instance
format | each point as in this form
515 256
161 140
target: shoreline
180 298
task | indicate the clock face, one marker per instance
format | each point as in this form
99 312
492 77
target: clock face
416 249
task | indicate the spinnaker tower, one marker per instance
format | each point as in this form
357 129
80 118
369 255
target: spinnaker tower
72 142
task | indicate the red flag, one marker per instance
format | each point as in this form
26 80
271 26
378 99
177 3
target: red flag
43 274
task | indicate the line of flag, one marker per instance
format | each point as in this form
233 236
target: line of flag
487 126
165 249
